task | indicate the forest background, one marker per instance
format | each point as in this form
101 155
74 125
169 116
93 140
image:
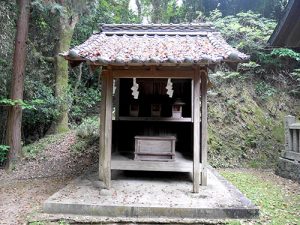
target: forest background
246 106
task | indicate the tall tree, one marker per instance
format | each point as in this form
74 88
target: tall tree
67 21
14 119
69 12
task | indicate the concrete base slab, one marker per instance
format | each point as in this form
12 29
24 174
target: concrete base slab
152 196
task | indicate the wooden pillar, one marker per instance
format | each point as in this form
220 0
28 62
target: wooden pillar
295 140
298 141
106 128
196 128
204 132
288 135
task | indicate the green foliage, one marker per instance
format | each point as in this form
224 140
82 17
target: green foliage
219 76
63 222
84 103
87 135
47 6
37 122
23 104
276 205
264 90
37 223
88 128
247 31
296 74
3 153
249 66
285 52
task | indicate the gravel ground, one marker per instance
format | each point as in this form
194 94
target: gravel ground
22 197
33 181
23 191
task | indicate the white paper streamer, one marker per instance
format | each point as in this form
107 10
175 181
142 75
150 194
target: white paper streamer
135 87
169 88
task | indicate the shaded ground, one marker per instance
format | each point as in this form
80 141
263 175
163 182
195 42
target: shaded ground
20 197
34 180
23 191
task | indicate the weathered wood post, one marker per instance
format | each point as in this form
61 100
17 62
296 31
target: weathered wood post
106 128
196 128
204 132
288 135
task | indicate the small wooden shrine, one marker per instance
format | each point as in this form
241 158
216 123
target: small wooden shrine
155 79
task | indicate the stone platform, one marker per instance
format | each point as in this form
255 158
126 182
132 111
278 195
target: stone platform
151 197
289 169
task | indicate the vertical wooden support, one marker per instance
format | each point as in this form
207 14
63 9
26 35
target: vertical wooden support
288 135
298 141
295 140
106 128
204 79
117 97
196 128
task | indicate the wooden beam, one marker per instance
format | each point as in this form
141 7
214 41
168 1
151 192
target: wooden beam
291 155
117 98
196 128
106 129
204 79
295 140
153 73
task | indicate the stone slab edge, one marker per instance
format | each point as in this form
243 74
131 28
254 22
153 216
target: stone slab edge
288 169
248 211
82 219
149 212
245 201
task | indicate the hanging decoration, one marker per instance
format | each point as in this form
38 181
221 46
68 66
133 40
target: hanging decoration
114 87
135 87
169 88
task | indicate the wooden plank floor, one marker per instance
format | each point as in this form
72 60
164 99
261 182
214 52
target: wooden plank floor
123 162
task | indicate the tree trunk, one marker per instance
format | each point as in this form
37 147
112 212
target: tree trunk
65 33
139 9
14 118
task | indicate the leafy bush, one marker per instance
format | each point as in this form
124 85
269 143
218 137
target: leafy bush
247 31
285 52
88 128
84 103
88 135
264 90
37 122
3 153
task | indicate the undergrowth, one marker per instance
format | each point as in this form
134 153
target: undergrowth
32 150
87 135
245 122
3 153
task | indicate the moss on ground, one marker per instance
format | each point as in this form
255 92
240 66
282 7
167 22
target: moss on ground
277 206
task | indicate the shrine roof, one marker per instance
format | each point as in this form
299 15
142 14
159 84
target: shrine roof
123 44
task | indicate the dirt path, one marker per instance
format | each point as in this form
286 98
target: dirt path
21 197
23 191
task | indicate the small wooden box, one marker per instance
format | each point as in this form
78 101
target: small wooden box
156 110
155 148
177 111
134 109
